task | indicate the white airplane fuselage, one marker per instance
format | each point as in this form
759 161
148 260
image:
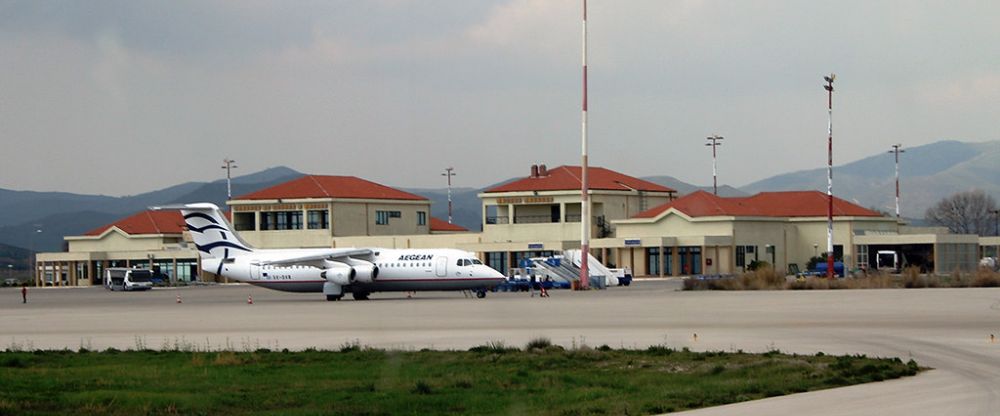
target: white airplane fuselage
398 270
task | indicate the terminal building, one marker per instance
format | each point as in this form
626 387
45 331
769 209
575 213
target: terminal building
311 211
636 224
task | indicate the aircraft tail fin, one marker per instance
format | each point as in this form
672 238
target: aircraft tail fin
212 233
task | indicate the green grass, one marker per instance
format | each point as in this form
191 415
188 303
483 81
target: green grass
492 379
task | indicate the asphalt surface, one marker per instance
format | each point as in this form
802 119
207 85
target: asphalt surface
947 329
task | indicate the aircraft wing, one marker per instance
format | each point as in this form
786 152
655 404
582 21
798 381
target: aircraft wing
313 257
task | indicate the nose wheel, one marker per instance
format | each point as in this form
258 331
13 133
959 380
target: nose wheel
481 294
332 298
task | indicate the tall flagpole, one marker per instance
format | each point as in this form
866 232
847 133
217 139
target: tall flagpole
584 197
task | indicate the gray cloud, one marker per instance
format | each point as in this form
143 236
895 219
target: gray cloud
123 97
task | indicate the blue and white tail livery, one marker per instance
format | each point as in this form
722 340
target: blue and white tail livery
332 271
212 233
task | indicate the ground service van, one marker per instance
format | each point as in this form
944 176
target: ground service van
121 278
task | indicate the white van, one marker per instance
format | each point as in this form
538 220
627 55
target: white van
122 278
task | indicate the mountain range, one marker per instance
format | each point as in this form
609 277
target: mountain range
37 221
927 173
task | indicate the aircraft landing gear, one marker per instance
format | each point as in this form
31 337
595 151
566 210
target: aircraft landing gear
481 294
360 295
332 298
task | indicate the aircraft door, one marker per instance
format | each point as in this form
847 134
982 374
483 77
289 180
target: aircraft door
441 267
254 271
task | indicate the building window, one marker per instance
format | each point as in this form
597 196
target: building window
243 221
421 218
382 217
281 220
319 219
497 260
653 261
862 256
743 253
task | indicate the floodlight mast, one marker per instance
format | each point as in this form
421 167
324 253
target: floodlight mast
584 185
829 175
229 165
714 142
897 149
449 172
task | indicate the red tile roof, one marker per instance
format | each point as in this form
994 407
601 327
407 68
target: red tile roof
318 186
441 225
566 178
764 204
146 222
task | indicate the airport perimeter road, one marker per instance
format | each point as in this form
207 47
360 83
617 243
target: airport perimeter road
947 329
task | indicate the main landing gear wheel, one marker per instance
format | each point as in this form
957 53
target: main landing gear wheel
481 294
360 295
333 297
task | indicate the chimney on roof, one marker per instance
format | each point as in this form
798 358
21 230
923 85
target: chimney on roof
542 171
534 171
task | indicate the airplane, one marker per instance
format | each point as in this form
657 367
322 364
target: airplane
331 271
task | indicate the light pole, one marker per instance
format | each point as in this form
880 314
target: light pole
229 165
897 149
36 229
714 142
829 175
584 184
449 172
996 214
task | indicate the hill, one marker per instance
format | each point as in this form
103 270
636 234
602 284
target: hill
928 174
57 214
684 188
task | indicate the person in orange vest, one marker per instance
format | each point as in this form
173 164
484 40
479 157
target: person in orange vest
24 293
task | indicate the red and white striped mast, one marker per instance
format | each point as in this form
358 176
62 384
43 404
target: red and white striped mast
897 149
829 175
584 191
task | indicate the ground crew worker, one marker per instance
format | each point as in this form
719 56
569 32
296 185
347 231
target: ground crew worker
24 293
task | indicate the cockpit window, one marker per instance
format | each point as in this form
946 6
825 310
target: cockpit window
476 261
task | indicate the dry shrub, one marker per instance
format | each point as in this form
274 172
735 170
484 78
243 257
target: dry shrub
957 279
873 281
986 278
913 280
809 283
764 278
877 280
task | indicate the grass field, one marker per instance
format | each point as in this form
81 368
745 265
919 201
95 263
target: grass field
491 379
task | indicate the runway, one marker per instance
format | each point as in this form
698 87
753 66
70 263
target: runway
947 329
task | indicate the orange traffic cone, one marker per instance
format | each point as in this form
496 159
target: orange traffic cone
178 298
249 299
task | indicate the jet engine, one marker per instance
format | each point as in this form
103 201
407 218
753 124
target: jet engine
366 271
338 273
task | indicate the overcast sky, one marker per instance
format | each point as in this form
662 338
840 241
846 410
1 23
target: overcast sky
125 97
